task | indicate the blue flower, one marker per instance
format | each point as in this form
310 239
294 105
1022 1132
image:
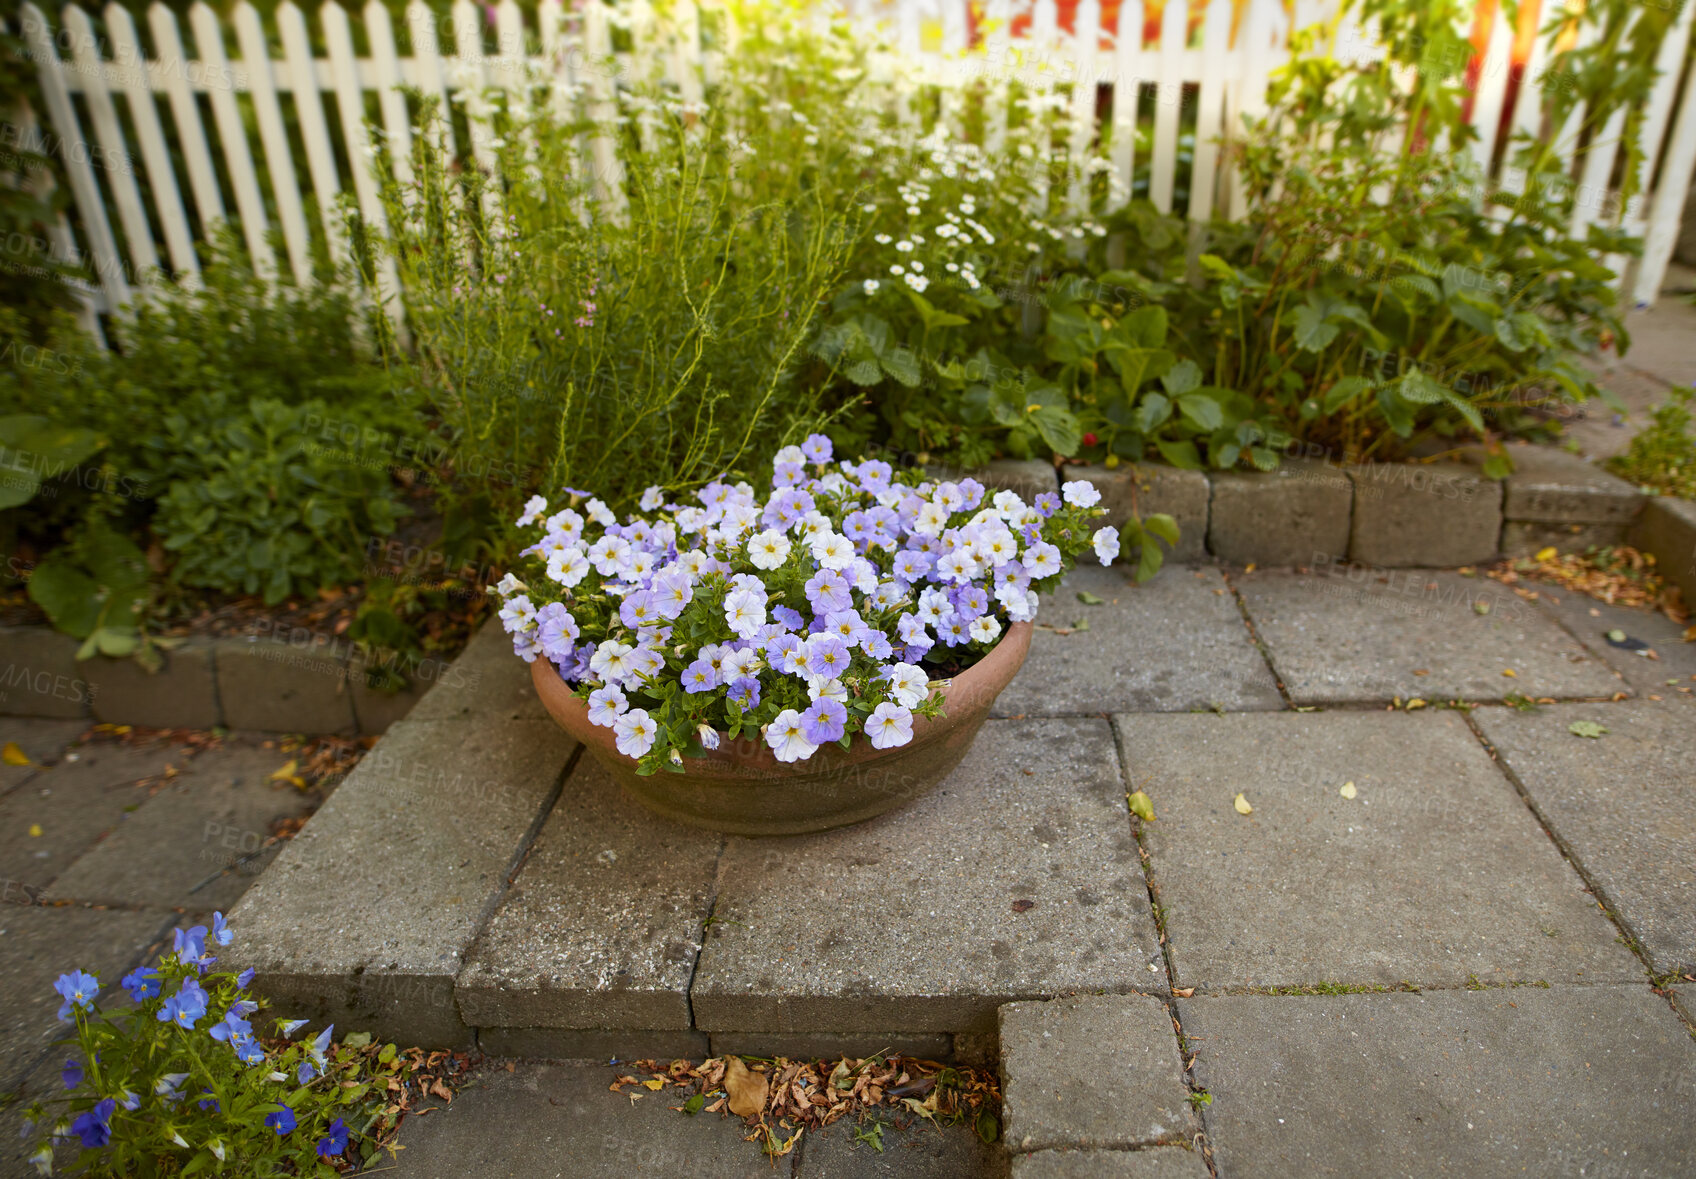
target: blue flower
189 943
335 1142
305 1073
78 990
131 1101
244 978
244 1007
281 1120
185 1007
71 1074
221 930
210 1102
250 1052
320 1045
95 1126
142 983
233 1028
170 1085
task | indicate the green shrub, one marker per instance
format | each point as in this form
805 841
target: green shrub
256 504
238 435
1662 457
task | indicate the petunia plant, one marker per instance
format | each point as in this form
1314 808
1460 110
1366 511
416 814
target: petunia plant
177 1081
830 608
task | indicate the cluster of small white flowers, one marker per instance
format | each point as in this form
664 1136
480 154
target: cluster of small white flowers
806 616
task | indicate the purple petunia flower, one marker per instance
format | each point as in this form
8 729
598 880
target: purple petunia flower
746 692
817 448
824 721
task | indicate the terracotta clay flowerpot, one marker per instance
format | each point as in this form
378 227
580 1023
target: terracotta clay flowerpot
741 788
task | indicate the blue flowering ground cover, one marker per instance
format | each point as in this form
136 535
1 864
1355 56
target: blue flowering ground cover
177 1080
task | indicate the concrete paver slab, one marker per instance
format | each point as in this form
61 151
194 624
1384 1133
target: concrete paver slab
1433 874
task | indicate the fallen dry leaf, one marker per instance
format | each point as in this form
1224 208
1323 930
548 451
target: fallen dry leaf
12 755
1242 805
747 1090
1141 806
1348 790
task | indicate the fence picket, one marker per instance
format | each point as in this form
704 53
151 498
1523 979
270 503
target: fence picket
62 243
997 72
1127 90
314 130
1210 107
91 71
1657 115
268 113
427 72
1492 89
1667 210
131 67
597 52
384 72
1085 42
185 111
1260 44
1168 102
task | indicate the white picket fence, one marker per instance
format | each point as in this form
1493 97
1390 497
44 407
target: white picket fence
126 237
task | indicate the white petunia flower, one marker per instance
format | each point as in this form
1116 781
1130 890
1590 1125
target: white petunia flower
768 549
907 683
1080 493
1106 543
889 725
786 738
832 550
636 732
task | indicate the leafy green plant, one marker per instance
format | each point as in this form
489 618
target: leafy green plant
236 439
1662 457
257 505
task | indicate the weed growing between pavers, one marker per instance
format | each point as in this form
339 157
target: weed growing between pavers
179 1082
779 1100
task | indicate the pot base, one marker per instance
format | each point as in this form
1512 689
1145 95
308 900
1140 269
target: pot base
740 788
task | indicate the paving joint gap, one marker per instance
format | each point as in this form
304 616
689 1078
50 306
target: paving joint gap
1609 908
1254 634
1201 1141
706 924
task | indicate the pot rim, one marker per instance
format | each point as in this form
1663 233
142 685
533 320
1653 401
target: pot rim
963 694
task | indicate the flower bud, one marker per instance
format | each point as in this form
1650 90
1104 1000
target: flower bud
708 736
676 757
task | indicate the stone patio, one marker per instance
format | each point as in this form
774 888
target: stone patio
1477 962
